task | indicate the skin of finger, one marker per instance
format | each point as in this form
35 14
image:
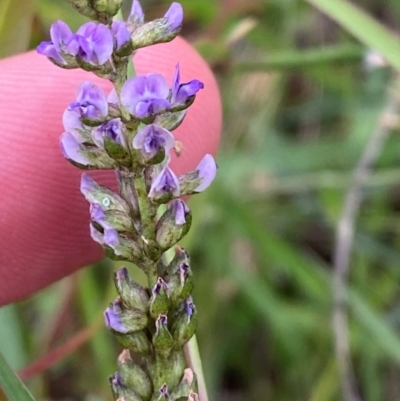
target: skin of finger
44 220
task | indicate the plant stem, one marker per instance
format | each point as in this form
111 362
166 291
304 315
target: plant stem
193 359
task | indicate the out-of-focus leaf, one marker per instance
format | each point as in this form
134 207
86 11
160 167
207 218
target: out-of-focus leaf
11 342
11 383
15 26
363 27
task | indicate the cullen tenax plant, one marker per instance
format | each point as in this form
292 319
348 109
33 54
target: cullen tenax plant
129 131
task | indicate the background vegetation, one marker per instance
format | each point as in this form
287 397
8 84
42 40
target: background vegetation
302 96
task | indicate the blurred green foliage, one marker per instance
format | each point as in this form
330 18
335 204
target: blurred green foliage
300 103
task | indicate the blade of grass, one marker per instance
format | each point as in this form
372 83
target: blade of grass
11 384
363 27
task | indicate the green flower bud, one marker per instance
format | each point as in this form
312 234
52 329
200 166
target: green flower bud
160 30
96 193
168 371
170 121
116 219
187 385
181 256
117 152
159 301
180 284
134 377
100 10
132 294
120 247
124 320
162 339
137 342
185 324
173 224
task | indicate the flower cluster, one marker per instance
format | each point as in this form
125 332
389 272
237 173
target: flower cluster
129 130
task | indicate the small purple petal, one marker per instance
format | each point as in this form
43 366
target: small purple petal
182 92
49 50
163 183
181 210
120 33
136 14
96 212
113 321
113 97
71 149
87 185
144 95
207 169
61 35
111 238
91 102
112 129
152 138
174 16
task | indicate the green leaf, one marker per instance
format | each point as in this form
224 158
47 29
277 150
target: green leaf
16 19
363 27
11 384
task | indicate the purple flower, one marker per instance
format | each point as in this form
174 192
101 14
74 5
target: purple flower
120 33
165 182
180 210
112 318
60 35
92 43
97 213
91 103
174 16
72 124
136 16
109 238
145 95
206 169
182 92
151 139
72 149
112 129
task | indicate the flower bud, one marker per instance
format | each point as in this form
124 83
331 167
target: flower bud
85 157
162 339
100 10
185 323
132 294
180 284
96 193
173 224
120 391
181 256
159 301
137 342
117 246
160 30
124 320
105 219
200 178
133 376
187 385
170 120
168 371
110 136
